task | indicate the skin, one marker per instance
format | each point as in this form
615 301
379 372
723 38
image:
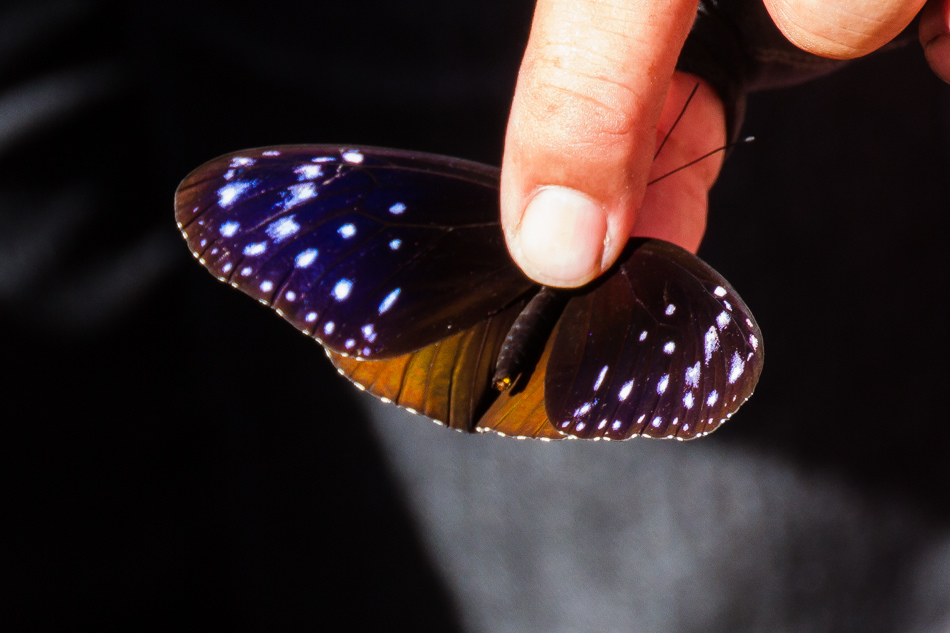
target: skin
596 93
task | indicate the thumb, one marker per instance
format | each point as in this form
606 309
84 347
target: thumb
582 131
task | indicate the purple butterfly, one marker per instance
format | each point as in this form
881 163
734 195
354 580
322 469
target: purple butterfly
396 263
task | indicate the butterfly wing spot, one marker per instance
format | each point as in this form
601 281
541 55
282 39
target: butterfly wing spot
625 391
736 368
308 171
388 301
255 248
231 192
710 343
353 156
229 228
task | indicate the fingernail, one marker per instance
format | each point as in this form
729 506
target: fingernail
562 237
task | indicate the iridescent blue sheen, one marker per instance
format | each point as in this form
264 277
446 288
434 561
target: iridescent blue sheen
397 259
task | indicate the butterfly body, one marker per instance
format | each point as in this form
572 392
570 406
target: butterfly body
395 262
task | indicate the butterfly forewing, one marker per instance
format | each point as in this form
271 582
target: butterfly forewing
352 246
664 348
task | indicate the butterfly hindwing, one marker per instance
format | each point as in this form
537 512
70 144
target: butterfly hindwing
664 347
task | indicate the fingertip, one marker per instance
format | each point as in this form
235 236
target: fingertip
560 240
935 37
846 29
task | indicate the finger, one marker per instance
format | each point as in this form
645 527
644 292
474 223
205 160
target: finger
842 29
674 208
935 36
582 130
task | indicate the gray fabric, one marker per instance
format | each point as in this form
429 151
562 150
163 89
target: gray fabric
660 536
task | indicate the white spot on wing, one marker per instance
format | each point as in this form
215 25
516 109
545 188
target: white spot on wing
692 375
625 390
308 171
347 231
723 319
669 348
255 248
229 228
713 397
600 377
582 410
661 386
736 368
670 309
342 289
353 156
368 332
231 191
279 230
242 161
267 286
719 291
305 258
688 400
397 208
297 195
389 300
710 343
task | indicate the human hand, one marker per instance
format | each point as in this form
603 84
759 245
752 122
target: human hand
597 90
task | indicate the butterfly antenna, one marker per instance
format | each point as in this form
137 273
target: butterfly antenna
747 139
676 122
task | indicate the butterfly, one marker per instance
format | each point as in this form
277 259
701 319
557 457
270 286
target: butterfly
396 263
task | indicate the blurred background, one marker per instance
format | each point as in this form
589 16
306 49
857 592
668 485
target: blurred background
179 455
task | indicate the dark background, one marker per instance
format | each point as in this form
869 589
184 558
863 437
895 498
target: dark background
179 455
